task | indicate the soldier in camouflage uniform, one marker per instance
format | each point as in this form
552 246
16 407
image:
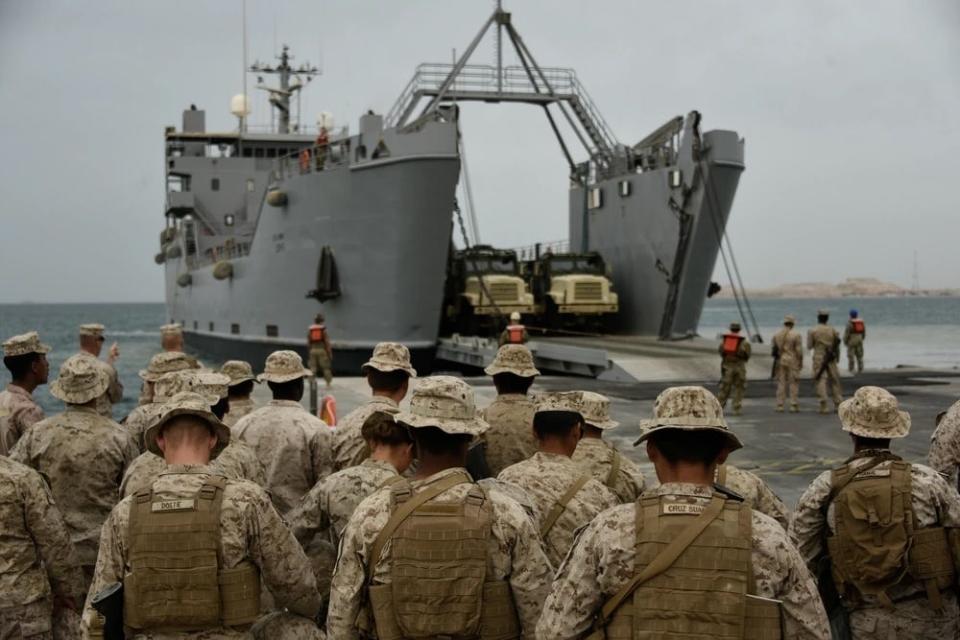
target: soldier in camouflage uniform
237 461
143 414
788 344
241 386
81 453
755 492
824 341
293 444
686 439
443 420
388 373
598 456
26 359
40 578
253 543
510 437
944 454
734 353
907 606
328 506
853 336
91 343
567 497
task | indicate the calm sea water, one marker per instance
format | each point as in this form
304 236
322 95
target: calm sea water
917 331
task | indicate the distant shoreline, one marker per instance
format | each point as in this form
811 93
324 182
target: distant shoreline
849 288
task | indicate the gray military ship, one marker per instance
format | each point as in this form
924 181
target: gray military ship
265 229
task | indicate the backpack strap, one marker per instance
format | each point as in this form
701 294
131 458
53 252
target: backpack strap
663 561
560 505
614 469
404 510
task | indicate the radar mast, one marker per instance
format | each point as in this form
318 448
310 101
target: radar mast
280 96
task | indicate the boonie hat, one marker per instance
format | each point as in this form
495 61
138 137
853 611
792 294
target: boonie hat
23 344
823 312
170 384
238 371
687 409
513 358
173 329
390 356
187 403
596 411
80 380
209 384
93 329
284 366
165 362
735 326
789 319
444 402
571 401
873 412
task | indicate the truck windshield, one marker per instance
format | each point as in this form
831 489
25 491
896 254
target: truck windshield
576 264
486 264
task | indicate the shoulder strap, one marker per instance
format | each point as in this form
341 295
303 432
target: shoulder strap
561 504
389 482
614 469
665 559
840 478
403 512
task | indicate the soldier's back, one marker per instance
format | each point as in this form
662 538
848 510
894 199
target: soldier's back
510 438
821 338
238 410
944 455
755 492
139 419
607 465
349 447
18 411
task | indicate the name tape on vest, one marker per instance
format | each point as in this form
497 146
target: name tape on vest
682 508
172 505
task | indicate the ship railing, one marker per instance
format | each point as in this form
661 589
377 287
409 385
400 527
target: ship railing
533 251
229 250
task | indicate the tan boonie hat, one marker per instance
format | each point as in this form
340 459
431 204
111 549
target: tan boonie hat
390 356
173 329
513 358
238 371
210 385
23 344
560 401
687 409
165 362
596 411
93 329
444 402
187 403
80 380
284 366
823 312
873 412
789 319
170 384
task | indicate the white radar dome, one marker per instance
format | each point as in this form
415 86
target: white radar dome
325 120
239 106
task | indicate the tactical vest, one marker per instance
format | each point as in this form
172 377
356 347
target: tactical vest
695 576
438 570
175 581
315 333
515 334
731 344
876 542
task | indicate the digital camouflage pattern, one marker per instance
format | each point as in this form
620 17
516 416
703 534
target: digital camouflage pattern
687 408
114 391
141 417
167 362
293 445
37 560
789 343
602 561
23 344
513 358
280 625
757 494
236 462
873 412
238 371
515 554
595 456
733 374
546 477
820 339
349 447
934 503
510 438
444 402
250 529
284 366
390 356
83 455
80 380
238 409
944 454
18 412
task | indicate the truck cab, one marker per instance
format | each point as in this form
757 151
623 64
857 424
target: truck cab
571 287
484 286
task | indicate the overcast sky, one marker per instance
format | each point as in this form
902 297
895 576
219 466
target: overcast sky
849 111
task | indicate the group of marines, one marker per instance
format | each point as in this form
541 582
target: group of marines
202 515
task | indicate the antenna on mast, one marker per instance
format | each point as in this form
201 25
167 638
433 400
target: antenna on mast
279 97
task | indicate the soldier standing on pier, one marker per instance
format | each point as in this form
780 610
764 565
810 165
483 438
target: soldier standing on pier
824 341
321 356
853 336
734 351
788 347
26 359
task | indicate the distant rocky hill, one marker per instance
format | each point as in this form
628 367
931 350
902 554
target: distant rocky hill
851 287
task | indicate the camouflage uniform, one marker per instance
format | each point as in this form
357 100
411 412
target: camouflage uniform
733 368
293 445
349 447
510 438
755 493
239 409
821 339
115 390
239 372
18 411
142 416
81 453
854 343
873 413
597 456
37 560
514 551
789 343
237 462
944 454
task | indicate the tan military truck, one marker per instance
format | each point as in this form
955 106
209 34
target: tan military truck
571 289
483 288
